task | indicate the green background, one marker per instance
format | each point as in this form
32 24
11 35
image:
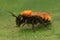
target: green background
8 29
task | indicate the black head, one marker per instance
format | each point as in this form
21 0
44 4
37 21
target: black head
19 20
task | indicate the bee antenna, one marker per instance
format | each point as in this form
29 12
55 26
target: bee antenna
12 13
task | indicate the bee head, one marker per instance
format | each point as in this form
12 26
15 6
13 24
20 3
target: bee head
19 20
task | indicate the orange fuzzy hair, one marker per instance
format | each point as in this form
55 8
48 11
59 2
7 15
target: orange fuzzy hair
43 15
47 17
26 13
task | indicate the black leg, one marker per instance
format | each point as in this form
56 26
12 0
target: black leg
42 22
33 28
18 25
23 24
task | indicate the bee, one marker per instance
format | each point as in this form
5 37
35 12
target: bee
29 17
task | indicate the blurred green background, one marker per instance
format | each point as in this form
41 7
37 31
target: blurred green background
8 29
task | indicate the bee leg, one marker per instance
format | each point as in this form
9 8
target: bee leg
41 21
33 28
23 24
19 24
47 27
